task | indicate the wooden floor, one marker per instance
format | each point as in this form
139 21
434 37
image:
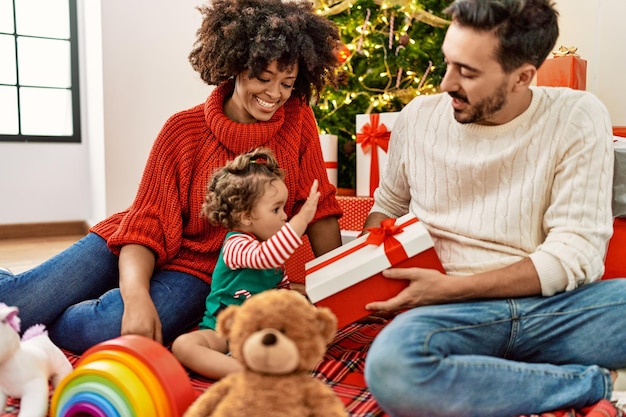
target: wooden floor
19 255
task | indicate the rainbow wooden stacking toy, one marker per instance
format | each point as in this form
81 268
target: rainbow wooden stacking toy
129 376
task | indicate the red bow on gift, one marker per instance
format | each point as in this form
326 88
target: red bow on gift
372 136
384 235
377 235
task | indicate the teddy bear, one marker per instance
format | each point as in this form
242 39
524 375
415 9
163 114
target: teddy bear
279 337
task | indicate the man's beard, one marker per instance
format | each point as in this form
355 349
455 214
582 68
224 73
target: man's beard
482 110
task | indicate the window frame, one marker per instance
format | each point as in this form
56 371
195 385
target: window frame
76 136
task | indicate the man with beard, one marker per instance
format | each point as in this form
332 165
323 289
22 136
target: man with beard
514 183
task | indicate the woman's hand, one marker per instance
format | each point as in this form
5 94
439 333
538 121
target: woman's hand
140 315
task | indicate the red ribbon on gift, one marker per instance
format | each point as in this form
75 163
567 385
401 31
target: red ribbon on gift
394 251
384 235
373 136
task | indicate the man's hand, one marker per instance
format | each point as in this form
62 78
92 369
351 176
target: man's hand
429 286
426 287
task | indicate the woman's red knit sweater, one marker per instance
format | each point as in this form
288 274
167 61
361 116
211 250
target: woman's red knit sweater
165 215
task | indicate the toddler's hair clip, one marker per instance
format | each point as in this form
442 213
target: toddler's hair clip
259 160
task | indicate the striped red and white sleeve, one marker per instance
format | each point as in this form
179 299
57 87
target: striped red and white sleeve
244 251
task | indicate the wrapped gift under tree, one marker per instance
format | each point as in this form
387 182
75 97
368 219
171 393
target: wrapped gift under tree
328 143
373 133
355 212
564 69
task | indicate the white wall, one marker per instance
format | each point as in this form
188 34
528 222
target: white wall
147 77
135 74
138 75
597 28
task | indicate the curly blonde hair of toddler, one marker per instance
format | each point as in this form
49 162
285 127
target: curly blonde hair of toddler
234 189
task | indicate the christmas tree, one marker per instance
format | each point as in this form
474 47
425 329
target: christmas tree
391 53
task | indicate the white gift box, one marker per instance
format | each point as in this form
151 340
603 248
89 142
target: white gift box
619 177
329 145
349 277
373 133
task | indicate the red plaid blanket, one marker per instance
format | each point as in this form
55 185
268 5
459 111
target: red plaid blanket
342 369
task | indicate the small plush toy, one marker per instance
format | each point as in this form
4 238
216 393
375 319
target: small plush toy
28 365
279 337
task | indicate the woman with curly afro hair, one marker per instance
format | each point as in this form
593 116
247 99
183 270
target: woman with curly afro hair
238 36
147 270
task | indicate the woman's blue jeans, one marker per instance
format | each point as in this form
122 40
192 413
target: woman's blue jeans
76 295
501 357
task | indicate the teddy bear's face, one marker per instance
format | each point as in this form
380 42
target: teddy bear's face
270 351
277 332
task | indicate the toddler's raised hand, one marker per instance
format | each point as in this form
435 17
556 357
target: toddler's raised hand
301 220
310 205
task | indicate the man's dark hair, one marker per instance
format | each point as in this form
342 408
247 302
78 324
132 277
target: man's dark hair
238 35
527 30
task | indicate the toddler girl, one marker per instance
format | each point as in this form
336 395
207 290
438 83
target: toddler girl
247 196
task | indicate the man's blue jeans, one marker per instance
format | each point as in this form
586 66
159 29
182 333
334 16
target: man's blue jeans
76 295
501 357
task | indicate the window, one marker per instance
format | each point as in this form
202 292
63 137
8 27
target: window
39 96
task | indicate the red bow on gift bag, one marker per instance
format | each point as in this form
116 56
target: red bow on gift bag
374 135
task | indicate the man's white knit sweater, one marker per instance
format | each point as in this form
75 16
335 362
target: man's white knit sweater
538 186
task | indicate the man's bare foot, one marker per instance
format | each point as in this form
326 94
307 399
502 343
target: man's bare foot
614 375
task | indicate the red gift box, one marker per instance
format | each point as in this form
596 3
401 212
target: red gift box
349 277
355 211
619 131
294 266
563 71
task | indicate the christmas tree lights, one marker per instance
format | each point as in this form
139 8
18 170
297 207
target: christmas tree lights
391 54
